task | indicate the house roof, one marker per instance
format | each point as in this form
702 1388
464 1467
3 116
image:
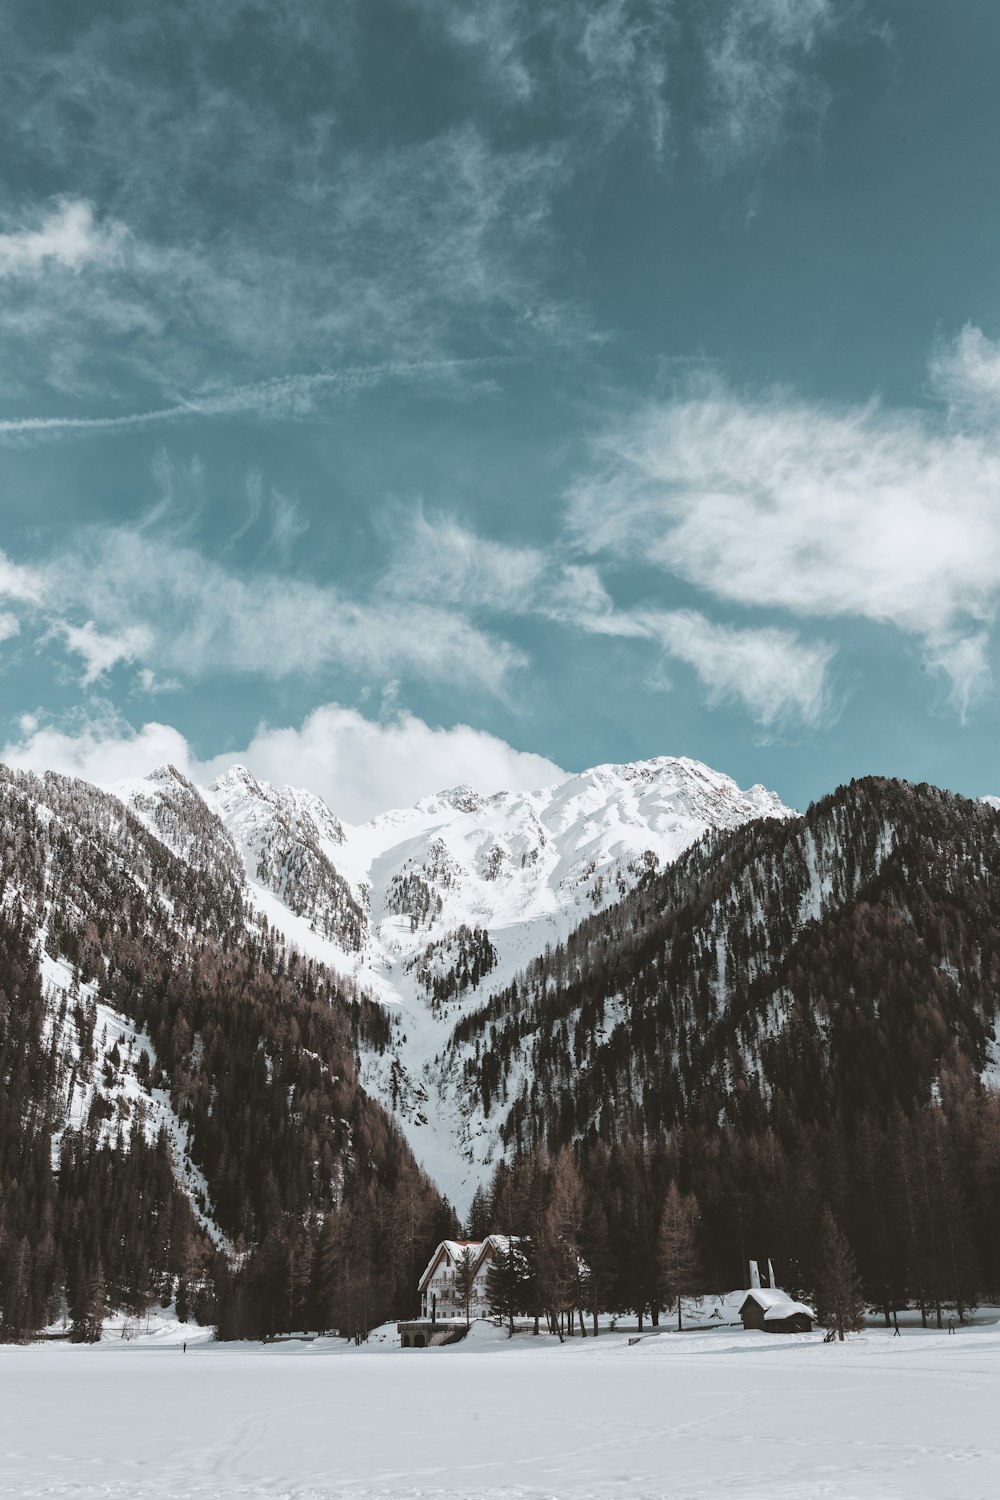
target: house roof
776 1304
451 1250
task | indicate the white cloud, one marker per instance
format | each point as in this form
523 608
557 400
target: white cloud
822 512
361 767
69 236
288 523
776 676
772 672
965 662
965 371
104 749
18 583
10 625
758 56
358 766
101 652
601 64
438 556
181 615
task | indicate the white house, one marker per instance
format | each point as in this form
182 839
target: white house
440 1297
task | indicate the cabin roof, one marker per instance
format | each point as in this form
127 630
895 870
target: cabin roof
776 1304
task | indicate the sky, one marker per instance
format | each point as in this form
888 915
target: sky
400 393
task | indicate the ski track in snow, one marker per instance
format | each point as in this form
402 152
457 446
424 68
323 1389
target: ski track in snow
694 1417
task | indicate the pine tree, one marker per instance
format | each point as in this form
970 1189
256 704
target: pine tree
89 1319
504 1280
678 1248
465 1280
839 1303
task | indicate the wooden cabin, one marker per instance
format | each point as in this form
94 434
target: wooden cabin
770 1310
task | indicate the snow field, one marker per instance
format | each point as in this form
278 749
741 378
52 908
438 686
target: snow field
696 1417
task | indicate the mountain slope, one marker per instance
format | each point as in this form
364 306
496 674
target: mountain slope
175 1038
428 908
815 967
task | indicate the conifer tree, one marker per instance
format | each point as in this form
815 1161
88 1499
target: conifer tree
678 1248
465 1280
839 1303
88 1322
504 1281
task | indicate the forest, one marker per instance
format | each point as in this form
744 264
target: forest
322 1212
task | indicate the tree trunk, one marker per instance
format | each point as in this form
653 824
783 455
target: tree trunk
583 1330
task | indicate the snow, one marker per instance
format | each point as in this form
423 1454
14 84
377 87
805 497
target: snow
526 866
704 1416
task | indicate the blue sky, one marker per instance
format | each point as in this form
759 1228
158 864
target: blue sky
401 392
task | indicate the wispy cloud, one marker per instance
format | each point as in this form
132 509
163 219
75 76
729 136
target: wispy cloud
965 372
762 78
288 523
600 67
778 677
885 515
67 236
178 613
102 652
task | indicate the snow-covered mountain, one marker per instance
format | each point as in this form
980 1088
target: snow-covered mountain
433 907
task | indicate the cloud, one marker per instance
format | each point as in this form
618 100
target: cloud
102 652
965 372
10 625
600 67
776 676
760 69
358 766
361 767
68 236
20 584
823 512
438 556
102 749
288 523
965 662
182 615
397 255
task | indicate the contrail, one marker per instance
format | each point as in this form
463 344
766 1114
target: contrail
286 395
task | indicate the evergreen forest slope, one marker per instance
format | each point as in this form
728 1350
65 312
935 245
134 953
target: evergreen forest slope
804 969
181 1110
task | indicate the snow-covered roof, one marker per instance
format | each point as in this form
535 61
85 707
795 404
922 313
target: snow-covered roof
452 1250
776 1304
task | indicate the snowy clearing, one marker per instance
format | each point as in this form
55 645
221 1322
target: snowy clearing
693 1417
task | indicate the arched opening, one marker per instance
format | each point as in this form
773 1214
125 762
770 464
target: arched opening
418 1341
406 1341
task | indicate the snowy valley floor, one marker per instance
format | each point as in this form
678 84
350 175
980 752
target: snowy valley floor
711 1415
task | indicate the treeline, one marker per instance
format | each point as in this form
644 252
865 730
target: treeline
309 1183
914 1199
